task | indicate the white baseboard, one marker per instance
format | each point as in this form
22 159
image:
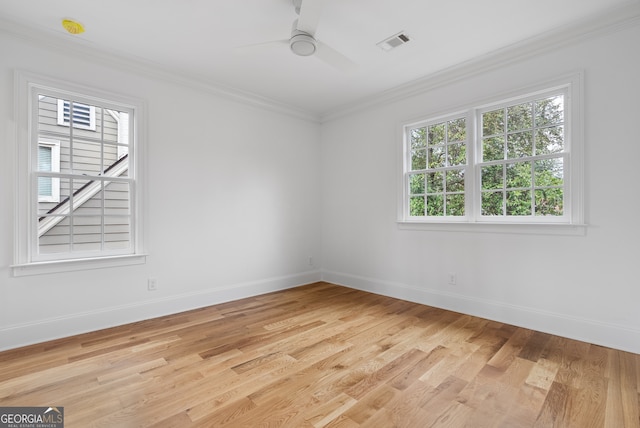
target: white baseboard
15 336
592 331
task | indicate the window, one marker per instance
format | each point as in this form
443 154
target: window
512 161
79 198
48 161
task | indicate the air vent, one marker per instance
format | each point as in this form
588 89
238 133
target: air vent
393 41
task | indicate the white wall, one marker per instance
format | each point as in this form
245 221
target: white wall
233 207
584 287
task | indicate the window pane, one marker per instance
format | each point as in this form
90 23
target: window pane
45 163
550 202
416 184
435 205
44 158
492 203
418 160
416 206
455 181
492 177
493 123
120 124
436 133
457 130
418 138
455 205
57 238
115 162
519 117
549 172
436 157
117 232
518 175
45 186
89 203
48 116
87 233
83 190
86 157
47 110
457 154
550 140
81 114
435 182
493 148
117 198
519 202
519 145
109 123
49 206
549 111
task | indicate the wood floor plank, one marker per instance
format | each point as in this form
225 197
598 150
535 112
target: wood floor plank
554 409
525 407
370 404
322 355
507 353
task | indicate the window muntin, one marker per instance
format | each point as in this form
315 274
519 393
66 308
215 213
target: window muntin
522 167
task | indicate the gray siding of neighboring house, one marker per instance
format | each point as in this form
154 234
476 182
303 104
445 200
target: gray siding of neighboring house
87 218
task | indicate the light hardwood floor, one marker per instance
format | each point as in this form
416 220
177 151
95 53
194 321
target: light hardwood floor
324 356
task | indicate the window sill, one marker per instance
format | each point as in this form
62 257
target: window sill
509 228
57 266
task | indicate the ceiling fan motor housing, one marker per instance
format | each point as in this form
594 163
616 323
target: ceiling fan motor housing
302 44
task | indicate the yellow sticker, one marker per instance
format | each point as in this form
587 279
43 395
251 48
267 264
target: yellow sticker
72 27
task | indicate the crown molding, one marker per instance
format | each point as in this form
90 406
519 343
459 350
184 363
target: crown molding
611 22
62 44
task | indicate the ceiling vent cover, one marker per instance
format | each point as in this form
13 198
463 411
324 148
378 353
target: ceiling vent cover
393 41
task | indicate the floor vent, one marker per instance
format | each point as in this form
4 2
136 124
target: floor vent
393 41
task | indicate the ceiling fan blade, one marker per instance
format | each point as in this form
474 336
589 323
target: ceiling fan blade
334 58
310 11
257 46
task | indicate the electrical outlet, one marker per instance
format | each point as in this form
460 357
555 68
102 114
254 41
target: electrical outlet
152 284
452 278
310 261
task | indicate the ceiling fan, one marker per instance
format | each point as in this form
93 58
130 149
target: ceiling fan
302 41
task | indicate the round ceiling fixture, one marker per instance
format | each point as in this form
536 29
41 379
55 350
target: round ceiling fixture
302 44
73 27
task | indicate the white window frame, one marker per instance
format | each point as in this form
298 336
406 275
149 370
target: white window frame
26 259
92 116
54 145
572 221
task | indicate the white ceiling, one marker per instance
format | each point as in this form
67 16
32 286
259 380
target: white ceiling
201 38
